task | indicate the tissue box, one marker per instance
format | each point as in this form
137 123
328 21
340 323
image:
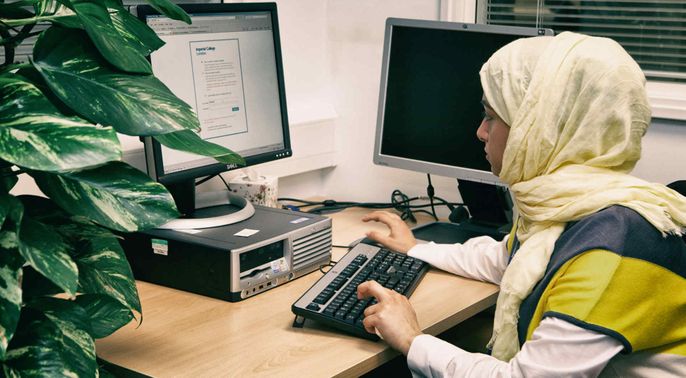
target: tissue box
262 190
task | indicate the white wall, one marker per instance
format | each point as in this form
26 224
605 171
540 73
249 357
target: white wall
332 57
356 33
355 40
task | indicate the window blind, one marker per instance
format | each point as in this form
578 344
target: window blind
653 32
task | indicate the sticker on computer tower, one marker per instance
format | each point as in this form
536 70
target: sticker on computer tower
160 247
279 265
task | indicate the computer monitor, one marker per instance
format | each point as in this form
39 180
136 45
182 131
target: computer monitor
430 101
227 66
430 98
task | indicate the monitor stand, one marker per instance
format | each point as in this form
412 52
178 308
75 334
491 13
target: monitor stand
490 210
205 210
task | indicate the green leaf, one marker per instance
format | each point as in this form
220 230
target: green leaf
132 104
170 10
103 269
63 309
52 343
137 34
189 141
115 48
105 313
46 252
10 294
114 195
35 135
73 22
52 7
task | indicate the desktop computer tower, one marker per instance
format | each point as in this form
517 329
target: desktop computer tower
235 261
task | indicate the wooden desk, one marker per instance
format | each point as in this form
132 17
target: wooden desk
188 335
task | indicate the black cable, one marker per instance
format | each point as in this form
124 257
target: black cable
402 206
210 177
224 181
204 180
399 202
430 192
330 265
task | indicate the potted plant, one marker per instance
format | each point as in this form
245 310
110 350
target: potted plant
64 280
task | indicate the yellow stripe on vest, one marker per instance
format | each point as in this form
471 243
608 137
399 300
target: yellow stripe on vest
643 302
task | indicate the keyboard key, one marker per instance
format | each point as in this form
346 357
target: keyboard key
313 306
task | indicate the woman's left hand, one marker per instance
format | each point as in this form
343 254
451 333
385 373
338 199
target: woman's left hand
393 317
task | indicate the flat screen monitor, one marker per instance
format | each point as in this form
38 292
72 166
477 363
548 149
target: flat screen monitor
430 99
227 66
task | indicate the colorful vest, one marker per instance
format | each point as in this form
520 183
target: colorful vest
614 273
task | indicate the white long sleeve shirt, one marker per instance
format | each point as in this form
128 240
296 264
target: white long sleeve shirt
557 347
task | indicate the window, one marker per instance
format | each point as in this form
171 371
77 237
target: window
653 32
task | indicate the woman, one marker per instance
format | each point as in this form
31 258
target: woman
593 277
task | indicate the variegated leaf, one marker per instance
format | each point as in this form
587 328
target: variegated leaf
132 104
10 293
103 269
62 8
105 313
46 252
170 10
35 135
111 45
52 342
136 32
189 141
51 8
114 195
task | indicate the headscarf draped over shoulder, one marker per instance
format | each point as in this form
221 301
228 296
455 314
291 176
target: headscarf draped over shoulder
577 110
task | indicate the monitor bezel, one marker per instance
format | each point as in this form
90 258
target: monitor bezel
461 173
153 149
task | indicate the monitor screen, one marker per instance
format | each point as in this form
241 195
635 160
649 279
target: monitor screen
430 100
227 66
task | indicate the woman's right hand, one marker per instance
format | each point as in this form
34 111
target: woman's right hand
400 237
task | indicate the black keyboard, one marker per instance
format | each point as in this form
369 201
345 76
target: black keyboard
333 299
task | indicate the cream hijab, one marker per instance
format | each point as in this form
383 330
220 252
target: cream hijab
577 109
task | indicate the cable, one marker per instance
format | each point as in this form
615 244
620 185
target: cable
402 206
224 181
204 179
430 192
210 177
399 202
330 265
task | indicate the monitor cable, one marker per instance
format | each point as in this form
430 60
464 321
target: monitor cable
430 193
399 202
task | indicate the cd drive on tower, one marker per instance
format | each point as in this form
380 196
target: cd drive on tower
235 261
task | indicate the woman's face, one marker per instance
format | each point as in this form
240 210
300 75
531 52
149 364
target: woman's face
493 132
